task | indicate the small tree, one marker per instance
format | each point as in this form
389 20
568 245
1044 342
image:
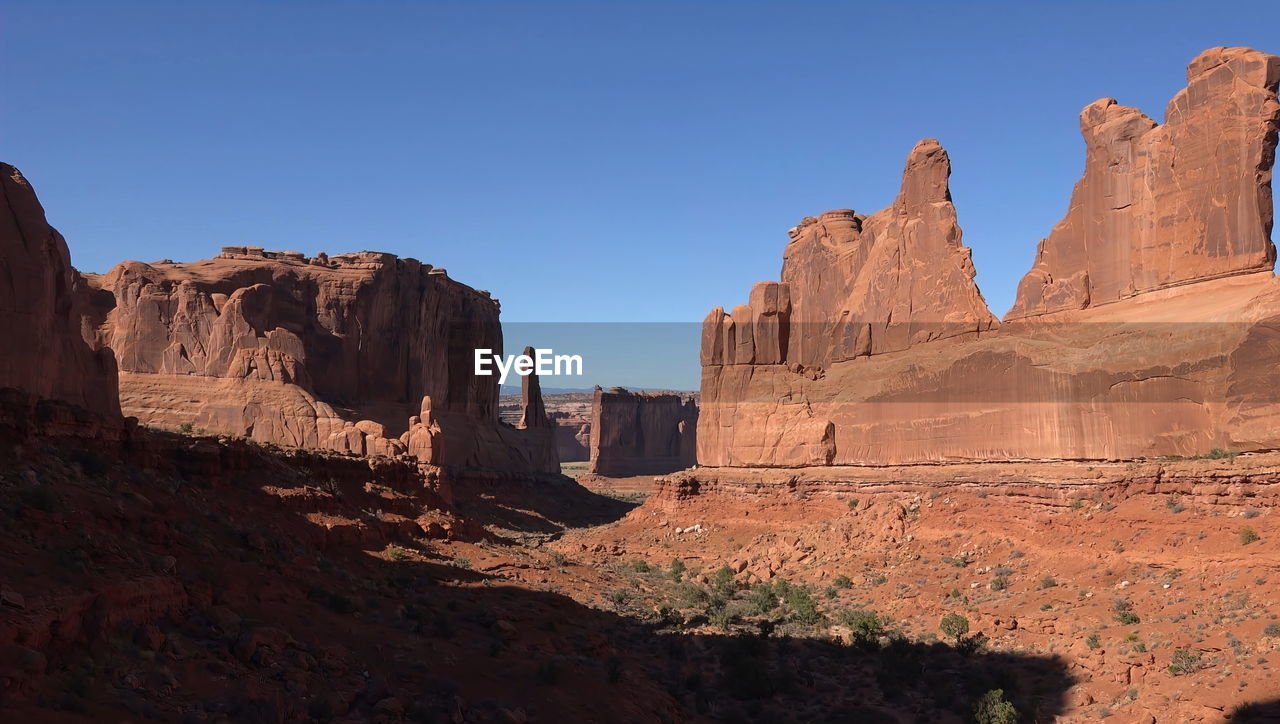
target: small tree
955 626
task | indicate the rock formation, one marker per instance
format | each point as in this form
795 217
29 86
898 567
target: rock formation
1150 324
41 303
1167 204
573 435
327 352
639 433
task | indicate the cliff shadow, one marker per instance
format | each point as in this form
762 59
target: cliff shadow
514 506
1256 712
220 582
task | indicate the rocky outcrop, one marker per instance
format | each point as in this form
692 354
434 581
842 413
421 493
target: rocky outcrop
642 433
325 352
573 435
1167 204
876 347
41 303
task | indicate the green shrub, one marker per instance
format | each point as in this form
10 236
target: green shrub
640 566
801 608
677 569
865 627
186 428
1248 535
954 626
722 580
1093 641
999 583
842 581
993 709
1128 618
1186 661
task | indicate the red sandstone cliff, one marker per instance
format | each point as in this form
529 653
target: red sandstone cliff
328 352
1167 204
877 349
41 302
639 433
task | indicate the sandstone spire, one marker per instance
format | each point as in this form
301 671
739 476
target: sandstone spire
533 413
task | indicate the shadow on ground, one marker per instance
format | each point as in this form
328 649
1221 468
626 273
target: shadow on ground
1261 712
167 583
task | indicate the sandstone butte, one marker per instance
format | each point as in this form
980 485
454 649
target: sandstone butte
364 353
642 433
42 299
1149 324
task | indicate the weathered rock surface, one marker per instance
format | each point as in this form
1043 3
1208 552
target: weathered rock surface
642 433
1167 204
891 357
327 352
41 302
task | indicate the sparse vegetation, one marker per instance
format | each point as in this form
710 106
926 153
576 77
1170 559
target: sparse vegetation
1186 661
1248 535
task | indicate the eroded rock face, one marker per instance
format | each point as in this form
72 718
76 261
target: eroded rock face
1167 204
641 433
328 352
42 299
1148 327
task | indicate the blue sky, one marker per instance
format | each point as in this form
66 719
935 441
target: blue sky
586 162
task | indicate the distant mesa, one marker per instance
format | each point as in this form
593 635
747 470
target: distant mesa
642 433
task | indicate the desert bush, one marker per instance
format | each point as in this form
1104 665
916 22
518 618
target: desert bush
954 626
1248 535
640 566
1048 582
722 581
677 569
999 583
1186 661
993 709
960 561
1272 630
761 598
1093 641
842 581
1128 618
865 627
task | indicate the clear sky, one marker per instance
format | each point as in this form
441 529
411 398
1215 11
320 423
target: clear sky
586 162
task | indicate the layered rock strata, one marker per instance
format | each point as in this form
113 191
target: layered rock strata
640 433
1149 326
322 352
42 299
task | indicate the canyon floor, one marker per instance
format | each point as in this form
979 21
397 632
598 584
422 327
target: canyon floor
195 579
